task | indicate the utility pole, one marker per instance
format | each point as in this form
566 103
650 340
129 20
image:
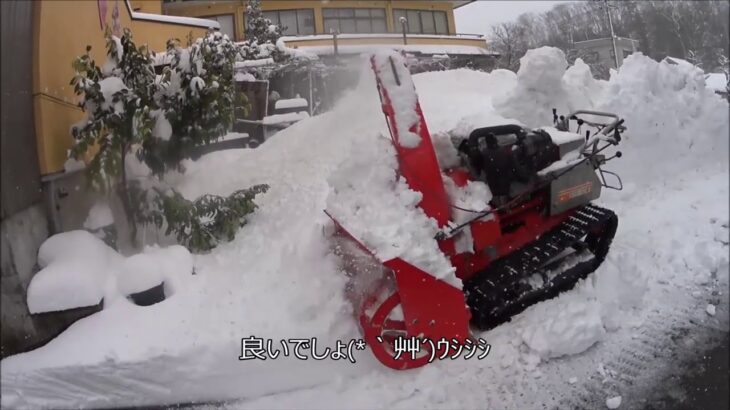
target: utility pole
613 35
404 25
334 40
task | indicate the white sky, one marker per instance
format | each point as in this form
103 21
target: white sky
478 17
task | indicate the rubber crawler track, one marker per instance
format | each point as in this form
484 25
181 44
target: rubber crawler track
500 291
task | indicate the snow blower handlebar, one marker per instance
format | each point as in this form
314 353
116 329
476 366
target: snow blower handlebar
606 127
604 130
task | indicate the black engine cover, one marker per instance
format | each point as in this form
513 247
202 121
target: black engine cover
505 154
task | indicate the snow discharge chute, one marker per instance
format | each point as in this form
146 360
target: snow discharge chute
534 235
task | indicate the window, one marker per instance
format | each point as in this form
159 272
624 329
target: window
227 25
299 22
421 21
354 20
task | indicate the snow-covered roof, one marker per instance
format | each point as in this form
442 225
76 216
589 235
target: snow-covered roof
413 48
381 35
677 61
239 76
254 63
188 21
291 103
285 118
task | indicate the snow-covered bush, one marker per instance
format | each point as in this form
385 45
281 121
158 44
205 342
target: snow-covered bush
261 35
159 118
205 222
195 96
117 101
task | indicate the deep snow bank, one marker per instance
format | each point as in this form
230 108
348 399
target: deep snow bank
674 122
539 88
74 272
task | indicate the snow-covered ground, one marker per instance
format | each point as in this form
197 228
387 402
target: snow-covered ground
279 279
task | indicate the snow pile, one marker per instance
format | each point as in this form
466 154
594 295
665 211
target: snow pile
446 153
584 91
171 265
577 320
717 82
562 137
539 88
291 103
109 86
162 128
670 115
474 196
458 101
380 210
243 77
664 104
111 64
100 215
285 118
572 329
613 402
80 270
75 272
253 63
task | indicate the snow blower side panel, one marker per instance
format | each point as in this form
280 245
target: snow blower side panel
575 188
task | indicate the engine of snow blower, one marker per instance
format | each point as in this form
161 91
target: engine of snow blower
509 159
537 236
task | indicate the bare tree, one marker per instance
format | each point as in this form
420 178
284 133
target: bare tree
687 29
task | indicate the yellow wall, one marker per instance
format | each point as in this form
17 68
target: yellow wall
203 9
62 29
237 7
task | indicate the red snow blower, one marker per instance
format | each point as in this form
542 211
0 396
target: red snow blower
537 236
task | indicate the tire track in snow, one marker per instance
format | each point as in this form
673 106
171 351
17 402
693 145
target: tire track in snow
667 342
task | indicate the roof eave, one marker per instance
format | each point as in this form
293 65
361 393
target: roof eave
461 3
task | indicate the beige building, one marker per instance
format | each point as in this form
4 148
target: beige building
419 26
600 51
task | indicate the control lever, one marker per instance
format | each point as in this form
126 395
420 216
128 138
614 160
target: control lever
616 136
618 154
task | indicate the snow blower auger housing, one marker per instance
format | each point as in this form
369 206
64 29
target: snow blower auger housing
537 236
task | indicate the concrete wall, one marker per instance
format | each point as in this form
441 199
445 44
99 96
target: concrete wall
21 185
20 237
